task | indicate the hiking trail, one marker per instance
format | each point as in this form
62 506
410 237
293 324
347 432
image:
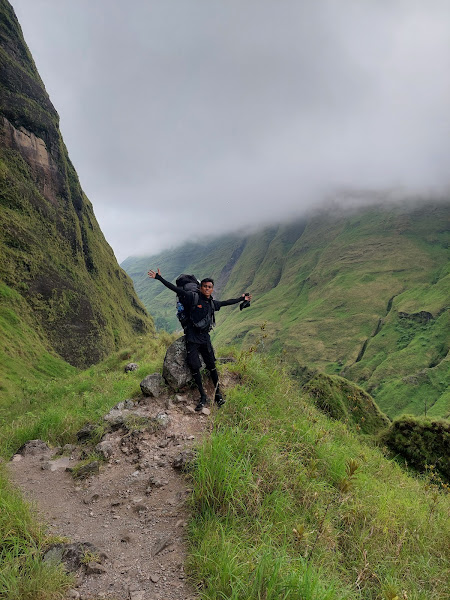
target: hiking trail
133 510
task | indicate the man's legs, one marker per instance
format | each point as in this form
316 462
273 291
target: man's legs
207 352
193 360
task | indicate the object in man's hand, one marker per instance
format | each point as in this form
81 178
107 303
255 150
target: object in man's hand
246 303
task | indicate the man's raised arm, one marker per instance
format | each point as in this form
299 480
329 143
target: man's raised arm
157 275
244 297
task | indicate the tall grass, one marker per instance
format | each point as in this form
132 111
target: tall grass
288 504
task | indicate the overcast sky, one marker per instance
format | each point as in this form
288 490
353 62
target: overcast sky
205 116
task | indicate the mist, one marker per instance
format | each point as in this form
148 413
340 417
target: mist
192 119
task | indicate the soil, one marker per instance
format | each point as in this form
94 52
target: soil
134 510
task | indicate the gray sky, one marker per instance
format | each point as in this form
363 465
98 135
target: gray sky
207 116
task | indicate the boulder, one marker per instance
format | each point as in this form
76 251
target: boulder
115 418
86 433
118 414
162 420
105 449
131 367
175 369
152 385
90 468
33 448
184 460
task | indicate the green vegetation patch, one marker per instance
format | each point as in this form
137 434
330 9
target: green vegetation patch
423 443
342 399
291 504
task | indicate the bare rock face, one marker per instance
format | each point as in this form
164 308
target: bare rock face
175 369
36 154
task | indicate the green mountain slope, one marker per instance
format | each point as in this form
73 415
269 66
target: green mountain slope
362 293
54 256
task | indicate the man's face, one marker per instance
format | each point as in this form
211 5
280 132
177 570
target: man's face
207 288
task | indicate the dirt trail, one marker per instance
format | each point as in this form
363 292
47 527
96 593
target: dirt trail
133 511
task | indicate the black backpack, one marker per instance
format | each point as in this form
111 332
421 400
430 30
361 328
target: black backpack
191 284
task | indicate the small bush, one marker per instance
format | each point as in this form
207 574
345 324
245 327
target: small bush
422 442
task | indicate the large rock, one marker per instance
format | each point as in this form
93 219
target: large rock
175 369
152 385
33 448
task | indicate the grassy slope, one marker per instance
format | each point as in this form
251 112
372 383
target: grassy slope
341 399
330 292
273 464
53 252
25 358
289 504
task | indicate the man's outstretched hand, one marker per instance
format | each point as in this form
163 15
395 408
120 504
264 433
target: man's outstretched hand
152 274
247 297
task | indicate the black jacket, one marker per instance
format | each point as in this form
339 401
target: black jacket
197 311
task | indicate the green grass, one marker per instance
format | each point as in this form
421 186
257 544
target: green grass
25 356
54 409
364 529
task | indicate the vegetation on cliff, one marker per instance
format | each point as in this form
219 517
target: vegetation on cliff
422 443
53 252
343 400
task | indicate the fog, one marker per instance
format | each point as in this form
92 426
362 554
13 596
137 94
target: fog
190 119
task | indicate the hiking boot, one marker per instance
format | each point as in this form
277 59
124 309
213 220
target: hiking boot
218 399
201 403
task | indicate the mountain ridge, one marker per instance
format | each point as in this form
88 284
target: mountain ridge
338 290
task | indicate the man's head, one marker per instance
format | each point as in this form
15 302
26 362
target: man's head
207 286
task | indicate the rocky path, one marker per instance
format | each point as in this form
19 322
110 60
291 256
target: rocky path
133 510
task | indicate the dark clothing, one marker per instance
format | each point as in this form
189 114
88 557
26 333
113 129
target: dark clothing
198 312
194 350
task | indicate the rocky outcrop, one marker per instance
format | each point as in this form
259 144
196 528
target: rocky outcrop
175 369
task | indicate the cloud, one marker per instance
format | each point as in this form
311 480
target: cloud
206 116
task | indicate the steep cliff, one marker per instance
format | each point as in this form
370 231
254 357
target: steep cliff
53 252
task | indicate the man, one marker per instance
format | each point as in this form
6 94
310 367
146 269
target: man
200 308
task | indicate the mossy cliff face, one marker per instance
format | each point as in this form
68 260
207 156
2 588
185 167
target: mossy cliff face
52 250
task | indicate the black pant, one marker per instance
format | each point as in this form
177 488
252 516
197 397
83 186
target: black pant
194 350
